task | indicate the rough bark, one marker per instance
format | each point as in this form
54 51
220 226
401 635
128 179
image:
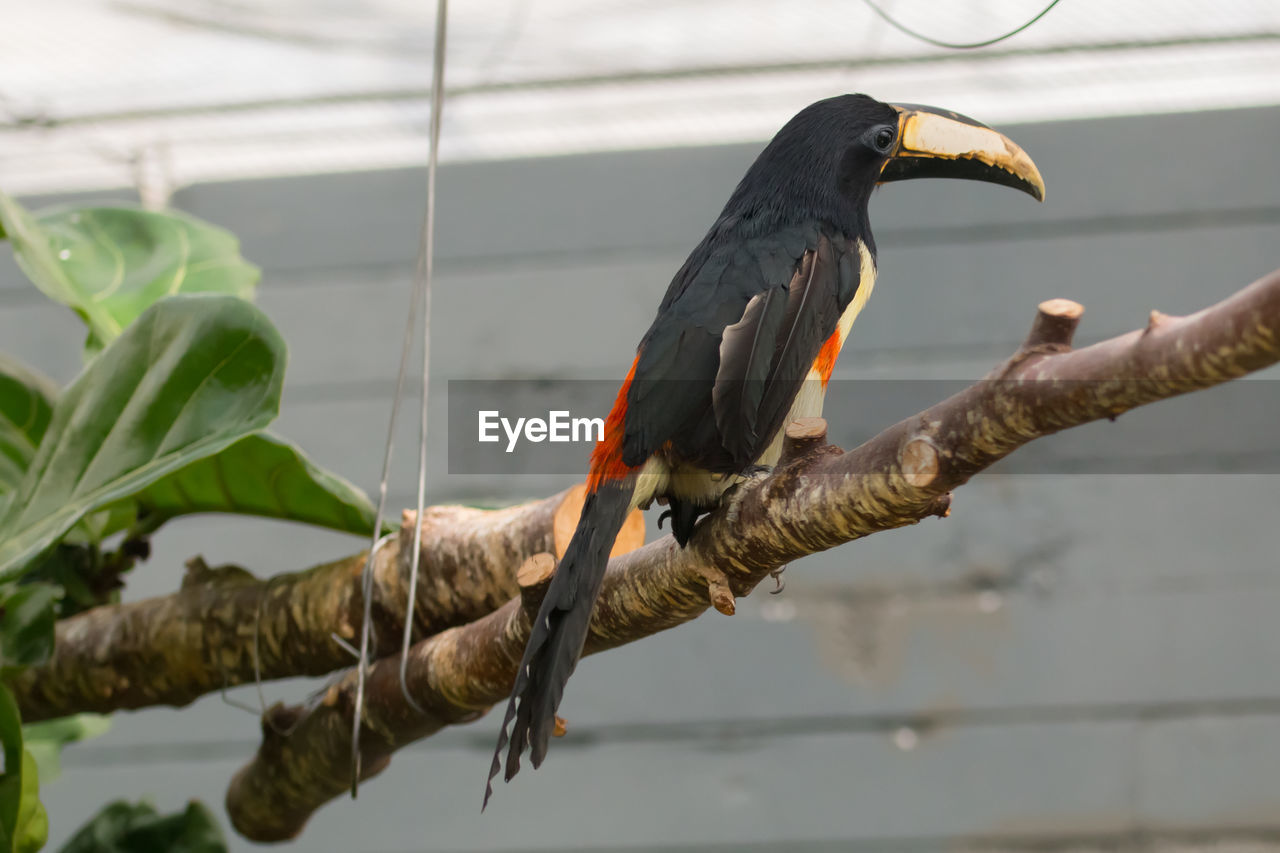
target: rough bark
305 757
816 498
173 649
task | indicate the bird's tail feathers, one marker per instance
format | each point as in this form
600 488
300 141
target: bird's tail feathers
560 629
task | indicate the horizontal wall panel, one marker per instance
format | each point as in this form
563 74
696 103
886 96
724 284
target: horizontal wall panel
1224 772
1007 789
931 304
667 199
646 200
770 790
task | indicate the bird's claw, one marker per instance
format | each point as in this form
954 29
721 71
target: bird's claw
663 517
777 579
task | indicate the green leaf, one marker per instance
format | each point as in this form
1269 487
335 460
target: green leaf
44 740
112 263
122 259
124 828
26 404
34 250
193 375
33 822
69 566
24 826
26 625
261 475
10 790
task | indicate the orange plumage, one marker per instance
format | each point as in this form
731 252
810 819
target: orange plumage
606 458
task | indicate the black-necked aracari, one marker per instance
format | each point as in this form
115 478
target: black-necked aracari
744 342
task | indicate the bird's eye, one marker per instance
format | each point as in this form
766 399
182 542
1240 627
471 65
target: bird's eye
883 139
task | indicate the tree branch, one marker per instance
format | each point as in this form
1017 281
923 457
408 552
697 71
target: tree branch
816 498
173 649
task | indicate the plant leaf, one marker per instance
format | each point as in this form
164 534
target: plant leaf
44 740
26 625
121 259
11 781
262 475
33 822
26 404
193 375
112 263
35 253
24 826
124 828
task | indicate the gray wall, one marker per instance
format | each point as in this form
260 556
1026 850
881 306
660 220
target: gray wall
1070 658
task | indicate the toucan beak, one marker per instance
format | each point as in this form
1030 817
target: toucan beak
935 143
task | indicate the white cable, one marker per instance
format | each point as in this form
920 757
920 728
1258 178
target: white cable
362 665
420 296
425 259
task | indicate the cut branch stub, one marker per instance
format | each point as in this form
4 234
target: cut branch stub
534 576
199 573
940 507
280 719
535 572
1156 319
802 437
1055 324
719 593
920 461
629 538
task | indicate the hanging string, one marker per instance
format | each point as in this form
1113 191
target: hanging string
425 263
362 665
420 299
901 27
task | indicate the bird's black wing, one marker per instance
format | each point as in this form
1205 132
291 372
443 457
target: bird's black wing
726 356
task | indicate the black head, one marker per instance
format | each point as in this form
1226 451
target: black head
824 163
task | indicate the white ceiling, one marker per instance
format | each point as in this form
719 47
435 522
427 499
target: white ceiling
97 93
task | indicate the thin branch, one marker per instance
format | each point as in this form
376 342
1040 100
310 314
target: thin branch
818 497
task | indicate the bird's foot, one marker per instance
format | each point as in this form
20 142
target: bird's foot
746 475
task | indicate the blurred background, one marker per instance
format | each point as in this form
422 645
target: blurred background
1077 659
